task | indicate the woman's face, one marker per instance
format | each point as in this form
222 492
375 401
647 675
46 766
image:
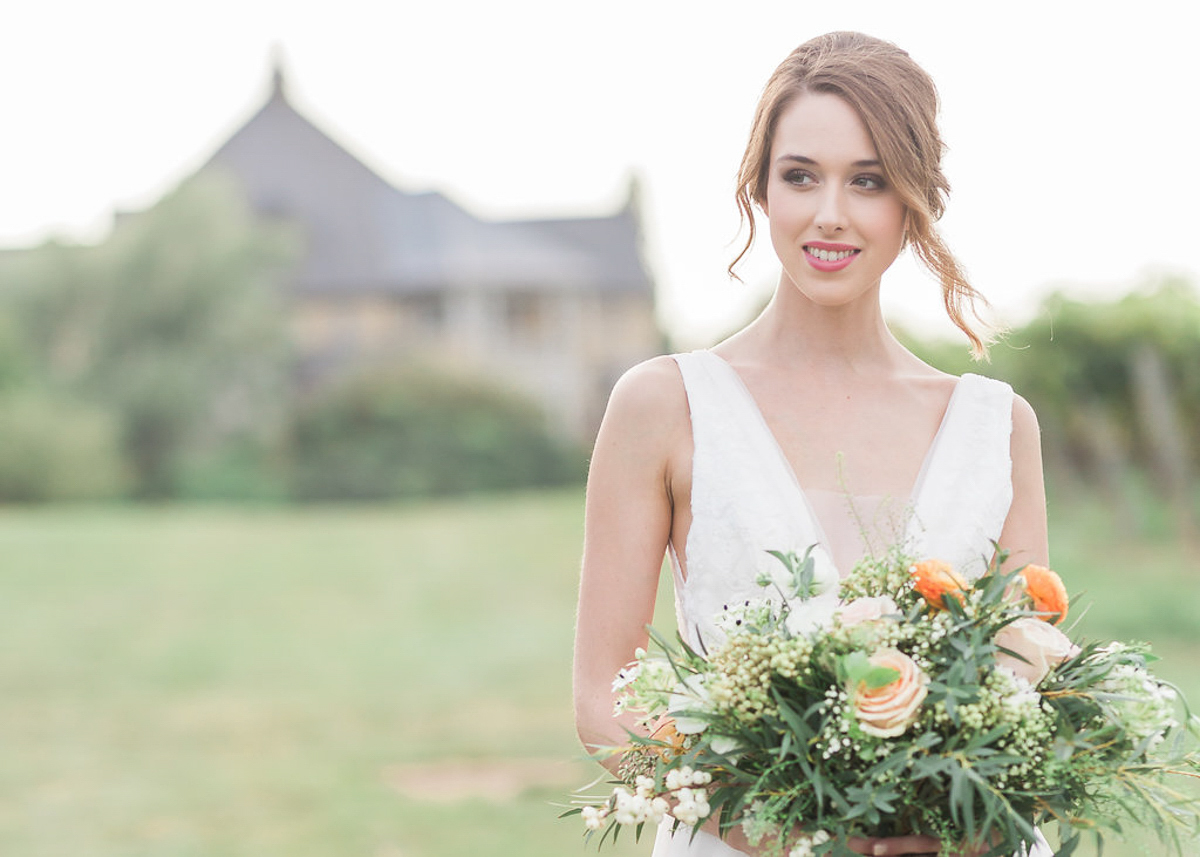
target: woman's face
835 223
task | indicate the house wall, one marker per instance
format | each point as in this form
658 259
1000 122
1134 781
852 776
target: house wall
564 348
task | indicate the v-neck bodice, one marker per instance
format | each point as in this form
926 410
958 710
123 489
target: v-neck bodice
755 414
746 499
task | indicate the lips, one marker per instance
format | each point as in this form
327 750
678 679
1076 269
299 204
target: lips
830 257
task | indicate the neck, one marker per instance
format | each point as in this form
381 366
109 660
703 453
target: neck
793 330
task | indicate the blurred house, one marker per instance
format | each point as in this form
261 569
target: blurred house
557 308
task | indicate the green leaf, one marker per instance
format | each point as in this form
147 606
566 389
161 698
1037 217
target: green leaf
880 677
856 669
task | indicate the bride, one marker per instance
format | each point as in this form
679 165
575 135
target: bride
813 425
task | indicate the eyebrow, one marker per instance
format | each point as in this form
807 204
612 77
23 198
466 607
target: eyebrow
801 159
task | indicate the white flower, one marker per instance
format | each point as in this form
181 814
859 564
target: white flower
658 809
804 845
724 745
630 808
680 777
738 617
594 816
811 614
692 805
626 675
692 695
1144 707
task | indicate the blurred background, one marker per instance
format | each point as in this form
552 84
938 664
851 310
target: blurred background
308 317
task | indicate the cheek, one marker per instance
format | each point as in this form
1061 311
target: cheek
889 222
786 214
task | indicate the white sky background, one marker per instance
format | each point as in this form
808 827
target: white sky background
1072 127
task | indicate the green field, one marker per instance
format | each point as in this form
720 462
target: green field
381 681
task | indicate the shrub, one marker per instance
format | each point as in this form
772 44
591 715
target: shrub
53 450
422 433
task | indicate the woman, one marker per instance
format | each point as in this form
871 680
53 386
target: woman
813 425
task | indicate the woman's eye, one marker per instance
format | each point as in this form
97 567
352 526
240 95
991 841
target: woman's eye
869 182
799 177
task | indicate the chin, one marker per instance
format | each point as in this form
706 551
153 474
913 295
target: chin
828 296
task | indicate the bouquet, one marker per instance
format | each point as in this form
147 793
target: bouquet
902 700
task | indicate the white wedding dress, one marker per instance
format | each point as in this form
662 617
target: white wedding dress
746 500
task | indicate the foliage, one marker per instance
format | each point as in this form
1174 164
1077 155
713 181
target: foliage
904 701
173 325
1080 355
56 449
1115 384
173 331
421 432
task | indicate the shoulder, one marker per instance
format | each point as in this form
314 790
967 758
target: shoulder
645 433
648 408
651 389
1024 417
1026 435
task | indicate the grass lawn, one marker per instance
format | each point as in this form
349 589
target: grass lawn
378 681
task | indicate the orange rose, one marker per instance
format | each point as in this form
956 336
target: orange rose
889 710
1045 589
665 731
935 580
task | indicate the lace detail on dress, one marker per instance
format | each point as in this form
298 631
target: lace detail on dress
744 500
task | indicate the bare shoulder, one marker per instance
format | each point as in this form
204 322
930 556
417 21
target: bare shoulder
1026 440
1025 421
645 434
650 396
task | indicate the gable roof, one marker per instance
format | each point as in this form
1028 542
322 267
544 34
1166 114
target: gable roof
366 236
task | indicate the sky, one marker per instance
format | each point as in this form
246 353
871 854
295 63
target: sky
1072 127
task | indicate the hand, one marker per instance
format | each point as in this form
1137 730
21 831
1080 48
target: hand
894 846
911 846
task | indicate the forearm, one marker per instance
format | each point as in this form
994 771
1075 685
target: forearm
600 731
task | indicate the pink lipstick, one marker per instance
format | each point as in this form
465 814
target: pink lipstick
825 256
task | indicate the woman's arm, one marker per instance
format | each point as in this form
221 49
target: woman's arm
1025 532
626 528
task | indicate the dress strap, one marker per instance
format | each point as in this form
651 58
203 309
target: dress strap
736 459
965 492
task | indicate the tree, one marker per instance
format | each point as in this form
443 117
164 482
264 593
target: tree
174 324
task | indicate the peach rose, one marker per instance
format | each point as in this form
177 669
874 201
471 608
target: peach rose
888 711
935 580
1038 642
866 610
1045 589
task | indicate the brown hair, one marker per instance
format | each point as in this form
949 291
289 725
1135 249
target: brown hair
898 103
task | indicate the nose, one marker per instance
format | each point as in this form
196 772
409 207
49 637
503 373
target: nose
831 210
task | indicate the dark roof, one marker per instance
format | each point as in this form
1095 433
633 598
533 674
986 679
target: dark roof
365 235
